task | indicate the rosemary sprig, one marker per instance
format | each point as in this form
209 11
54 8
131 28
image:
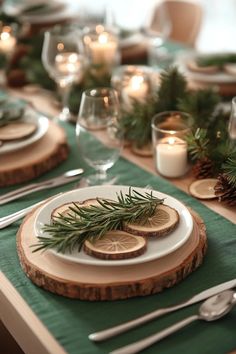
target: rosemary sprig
92 222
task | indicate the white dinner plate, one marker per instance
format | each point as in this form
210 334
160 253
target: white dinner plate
156 248
42 127
216 78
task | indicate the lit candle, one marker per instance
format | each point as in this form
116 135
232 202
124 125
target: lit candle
104 49
171 157
136 89
68 63
7 40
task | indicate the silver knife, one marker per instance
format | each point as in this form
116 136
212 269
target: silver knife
113 331
66 177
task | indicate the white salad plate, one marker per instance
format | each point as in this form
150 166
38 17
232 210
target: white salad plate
30 116
156 248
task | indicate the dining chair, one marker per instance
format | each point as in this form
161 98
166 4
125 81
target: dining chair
185 17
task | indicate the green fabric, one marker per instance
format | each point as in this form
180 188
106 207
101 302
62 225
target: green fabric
70 321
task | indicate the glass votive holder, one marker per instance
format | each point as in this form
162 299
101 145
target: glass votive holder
132 83
169 130
101 47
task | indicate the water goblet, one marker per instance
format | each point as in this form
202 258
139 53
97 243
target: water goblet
99 137
62 57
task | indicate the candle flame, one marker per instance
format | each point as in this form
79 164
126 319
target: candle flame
171 141
136 81
103 38
60 47
5 36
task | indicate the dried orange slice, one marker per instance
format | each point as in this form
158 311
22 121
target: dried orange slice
14 131
161 223
116 245
203 188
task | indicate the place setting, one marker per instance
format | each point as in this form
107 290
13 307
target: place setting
118 201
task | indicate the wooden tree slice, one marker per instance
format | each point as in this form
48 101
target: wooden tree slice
32 161
116 245
161 223
87 282
14 131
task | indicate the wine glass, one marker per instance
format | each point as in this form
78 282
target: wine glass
63 58
97 131
157 29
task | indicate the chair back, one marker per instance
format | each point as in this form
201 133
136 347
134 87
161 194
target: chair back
185 17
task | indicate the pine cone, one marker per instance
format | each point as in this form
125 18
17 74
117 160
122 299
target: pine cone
203 168
225 191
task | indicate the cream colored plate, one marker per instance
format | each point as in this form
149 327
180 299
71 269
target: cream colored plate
156 248
31 117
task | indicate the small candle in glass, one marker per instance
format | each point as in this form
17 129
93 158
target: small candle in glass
170 148
7 40
101 46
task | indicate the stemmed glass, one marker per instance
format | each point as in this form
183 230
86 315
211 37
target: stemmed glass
97 131
157 30
62 57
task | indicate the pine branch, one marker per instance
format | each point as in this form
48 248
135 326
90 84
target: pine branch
136 125
172 89
198 144
200 105
92 222
229 168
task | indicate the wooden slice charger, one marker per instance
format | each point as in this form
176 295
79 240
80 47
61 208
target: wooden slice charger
32 161
96 283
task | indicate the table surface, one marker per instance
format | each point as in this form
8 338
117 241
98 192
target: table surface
16 314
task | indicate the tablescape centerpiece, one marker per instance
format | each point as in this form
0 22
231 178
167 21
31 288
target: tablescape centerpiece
211 150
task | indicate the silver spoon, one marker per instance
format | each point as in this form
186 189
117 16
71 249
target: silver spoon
212 309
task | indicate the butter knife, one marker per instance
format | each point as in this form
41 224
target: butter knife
65 178
113 331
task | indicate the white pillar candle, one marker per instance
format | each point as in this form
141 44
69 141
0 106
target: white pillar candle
7 40
136 89
104 49
171 157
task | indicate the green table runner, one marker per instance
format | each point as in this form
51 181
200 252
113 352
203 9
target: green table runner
70 321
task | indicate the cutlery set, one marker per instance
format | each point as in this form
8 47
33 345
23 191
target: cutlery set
219 300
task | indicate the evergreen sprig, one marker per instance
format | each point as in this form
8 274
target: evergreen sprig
229 167
200 105
136 124
172 89
198 144
70 231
